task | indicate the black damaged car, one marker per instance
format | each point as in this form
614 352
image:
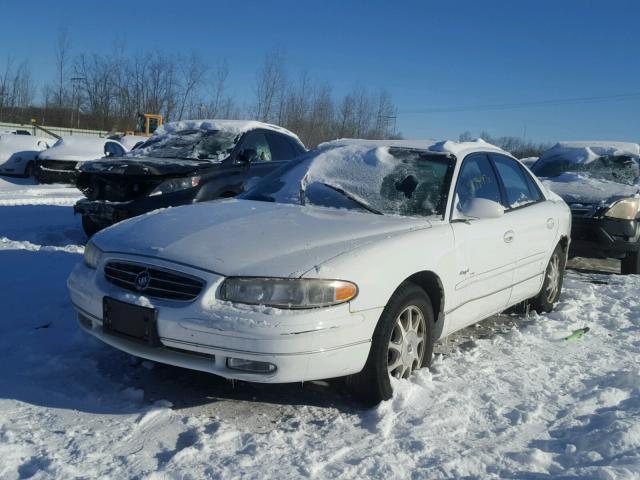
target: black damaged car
600 181
183 163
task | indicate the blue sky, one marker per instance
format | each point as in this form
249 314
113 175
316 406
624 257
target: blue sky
429 55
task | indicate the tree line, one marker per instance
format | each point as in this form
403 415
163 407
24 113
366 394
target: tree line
107 91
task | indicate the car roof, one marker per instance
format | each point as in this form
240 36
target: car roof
234 126
459 149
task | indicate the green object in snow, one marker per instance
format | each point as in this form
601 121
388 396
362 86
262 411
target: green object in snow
577 333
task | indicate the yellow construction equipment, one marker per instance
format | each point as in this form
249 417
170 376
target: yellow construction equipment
146 124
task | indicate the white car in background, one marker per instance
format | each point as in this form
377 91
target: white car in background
18 153
59 164
350 261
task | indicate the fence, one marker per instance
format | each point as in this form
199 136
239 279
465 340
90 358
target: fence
57 130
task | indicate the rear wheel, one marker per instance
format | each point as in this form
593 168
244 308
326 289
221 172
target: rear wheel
630 264
552 285
90 226
402 343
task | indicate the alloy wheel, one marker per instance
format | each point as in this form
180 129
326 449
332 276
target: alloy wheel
553 278
407 343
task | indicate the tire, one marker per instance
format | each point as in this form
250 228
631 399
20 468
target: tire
552 285
90 226
630 264
409 303
29 170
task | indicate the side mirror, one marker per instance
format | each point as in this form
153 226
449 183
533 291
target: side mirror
480 208
247 155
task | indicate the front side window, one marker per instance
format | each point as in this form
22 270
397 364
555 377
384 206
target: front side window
519 191
476 180
258 141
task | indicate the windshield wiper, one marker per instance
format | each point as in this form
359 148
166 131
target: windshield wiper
352 198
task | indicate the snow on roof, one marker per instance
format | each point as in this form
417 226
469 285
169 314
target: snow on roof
587 151
444 146
234 126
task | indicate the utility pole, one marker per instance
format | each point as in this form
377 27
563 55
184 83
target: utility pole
76 83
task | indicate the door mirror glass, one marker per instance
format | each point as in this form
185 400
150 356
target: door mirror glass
480 208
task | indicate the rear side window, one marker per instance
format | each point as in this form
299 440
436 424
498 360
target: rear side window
280 148
519 187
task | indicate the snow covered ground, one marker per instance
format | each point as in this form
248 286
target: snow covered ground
506 399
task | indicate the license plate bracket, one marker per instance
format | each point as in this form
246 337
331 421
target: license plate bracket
130 321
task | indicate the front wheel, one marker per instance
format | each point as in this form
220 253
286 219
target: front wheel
630 264
402 343
552 285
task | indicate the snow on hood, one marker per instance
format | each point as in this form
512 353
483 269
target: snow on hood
233 126
76 148
10 144
440 146
581 188
585 152
243 237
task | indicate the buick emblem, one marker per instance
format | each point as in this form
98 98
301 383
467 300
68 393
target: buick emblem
142 280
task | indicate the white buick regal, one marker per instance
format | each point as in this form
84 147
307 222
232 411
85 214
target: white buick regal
350 261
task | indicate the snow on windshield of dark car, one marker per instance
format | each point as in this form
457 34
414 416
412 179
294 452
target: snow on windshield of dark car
211 145
386 180
614 168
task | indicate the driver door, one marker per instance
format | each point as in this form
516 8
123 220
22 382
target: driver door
485 254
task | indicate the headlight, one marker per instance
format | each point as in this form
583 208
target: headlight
287 292
92 255
175 185
625 209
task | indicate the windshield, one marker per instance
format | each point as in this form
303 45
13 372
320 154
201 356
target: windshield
213 145
384 180
618 168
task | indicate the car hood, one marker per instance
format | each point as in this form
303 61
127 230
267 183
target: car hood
581 188
243 237
146 166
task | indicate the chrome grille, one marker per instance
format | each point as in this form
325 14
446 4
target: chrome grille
160 283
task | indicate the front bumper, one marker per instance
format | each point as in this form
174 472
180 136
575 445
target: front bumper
108 213
56 171
604 237
204 334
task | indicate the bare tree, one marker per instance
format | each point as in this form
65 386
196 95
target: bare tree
271 82
61 51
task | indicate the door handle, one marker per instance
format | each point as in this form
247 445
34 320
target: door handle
550 223
509 236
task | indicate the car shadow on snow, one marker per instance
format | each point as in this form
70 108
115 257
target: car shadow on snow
47 225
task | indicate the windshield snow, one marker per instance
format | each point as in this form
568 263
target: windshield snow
615 168
382 180
213 145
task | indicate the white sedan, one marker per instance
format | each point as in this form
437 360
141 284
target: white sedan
18 153
350 261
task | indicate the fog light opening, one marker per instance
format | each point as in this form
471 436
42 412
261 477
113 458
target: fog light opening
250 365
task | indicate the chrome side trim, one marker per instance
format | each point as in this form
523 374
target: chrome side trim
492 293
